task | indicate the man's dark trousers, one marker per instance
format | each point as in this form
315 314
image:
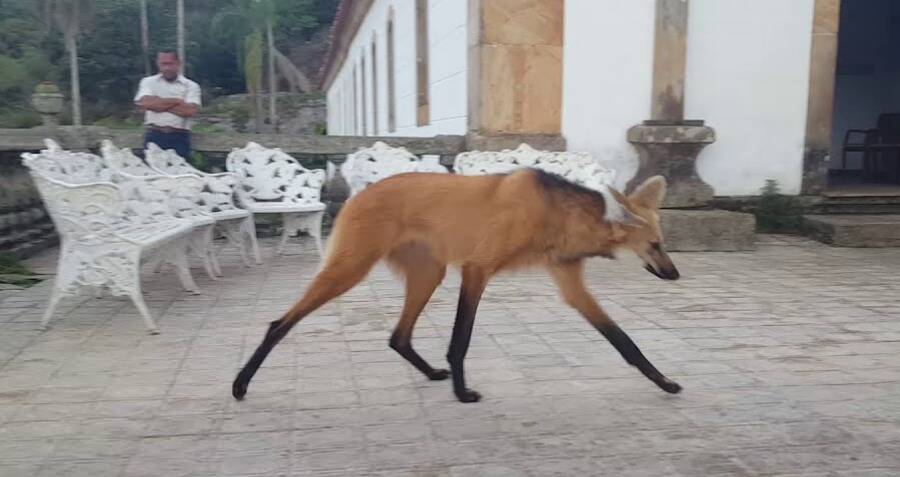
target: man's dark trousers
180 141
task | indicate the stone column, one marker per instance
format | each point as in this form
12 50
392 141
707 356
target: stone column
823 63
515 73
667 143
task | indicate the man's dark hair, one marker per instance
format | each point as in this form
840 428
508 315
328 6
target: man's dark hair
168 52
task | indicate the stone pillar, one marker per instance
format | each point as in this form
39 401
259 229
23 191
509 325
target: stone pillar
823 62
667 143
515 73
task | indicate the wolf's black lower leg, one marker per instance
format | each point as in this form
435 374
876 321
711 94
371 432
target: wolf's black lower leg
277 330
469 297
405 349
633 356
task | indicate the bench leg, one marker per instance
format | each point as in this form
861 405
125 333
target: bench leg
249 226
176 254
138 298
200 243
55 296
214 261
234 233
313 225
290 224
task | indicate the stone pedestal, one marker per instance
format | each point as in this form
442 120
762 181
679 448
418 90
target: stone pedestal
708 230
48 101
670 149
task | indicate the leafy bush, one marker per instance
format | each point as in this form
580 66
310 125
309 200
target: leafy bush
17 118
777 212
198 160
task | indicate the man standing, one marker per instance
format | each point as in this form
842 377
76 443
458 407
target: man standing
169 101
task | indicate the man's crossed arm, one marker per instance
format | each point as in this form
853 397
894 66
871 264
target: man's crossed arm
172 105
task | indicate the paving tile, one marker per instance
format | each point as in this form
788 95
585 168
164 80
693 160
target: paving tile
789 368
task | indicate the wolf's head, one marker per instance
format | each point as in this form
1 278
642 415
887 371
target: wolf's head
640 224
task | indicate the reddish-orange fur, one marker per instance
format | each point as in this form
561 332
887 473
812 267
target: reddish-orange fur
421 223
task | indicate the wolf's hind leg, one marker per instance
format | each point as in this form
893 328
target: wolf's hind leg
423 274
568 277
335 278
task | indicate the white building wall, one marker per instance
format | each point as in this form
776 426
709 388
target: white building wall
607 77
747 76
448 65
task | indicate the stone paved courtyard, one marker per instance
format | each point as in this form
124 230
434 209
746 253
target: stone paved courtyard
789 356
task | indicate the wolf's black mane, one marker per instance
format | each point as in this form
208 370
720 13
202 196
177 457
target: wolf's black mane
553 182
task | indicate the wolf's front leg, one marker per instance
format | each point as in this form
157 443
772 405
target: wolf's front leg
473 283
569 278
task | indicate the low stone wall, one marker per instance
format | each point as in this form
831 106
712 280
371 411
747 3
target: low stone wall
25 227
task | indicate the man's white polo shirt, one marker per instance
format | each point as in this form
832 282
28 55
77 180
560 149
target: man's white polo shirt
181 88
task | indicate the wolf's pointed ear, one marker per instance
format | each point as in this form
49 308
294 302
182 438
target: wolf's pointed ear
620 214
650 194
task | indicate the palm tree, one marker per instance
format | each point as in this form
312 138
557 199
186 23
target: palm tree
246 20
67 16
180 14
253 74
145 38
273 81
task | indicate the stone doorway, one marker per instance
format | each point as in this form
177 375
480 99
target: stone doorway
866 105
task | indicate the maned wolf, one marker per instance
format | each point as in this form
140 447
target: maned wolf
420 223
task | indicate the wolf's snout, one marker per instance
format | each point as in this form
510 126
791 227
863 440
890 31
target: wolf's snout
665 273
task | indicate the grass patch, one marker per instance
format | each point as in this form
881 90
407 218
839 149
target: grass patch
12 272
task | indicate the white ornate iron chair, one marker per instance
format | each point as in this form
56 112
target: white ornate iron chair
369 165
577 167
216 199
184 190
272 182
105 229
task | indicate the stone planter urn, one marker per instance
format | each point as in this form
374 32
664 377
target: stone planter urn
48 101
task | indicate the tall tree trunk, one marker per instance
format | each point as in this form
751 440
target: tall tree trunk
72 46
180 15
145 38
273 81
258 107
253 71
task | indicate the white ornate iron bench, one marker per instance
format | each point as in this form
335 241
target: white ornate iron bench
216 198
577 167
272 182
108 226
369 165
183 199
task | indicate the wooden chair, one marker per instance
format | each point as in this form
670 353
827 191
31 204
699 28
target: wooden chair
875 145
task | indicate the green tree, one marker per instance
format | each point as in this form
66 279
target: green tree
245 21
68 16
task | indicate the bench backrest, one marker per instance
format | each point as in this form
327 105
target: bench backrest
168 161
69 167
577 167
271 175
123 160
372 164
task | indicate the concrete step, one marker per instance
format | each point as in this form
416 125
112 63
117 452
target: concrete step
848 205
707 230
854 230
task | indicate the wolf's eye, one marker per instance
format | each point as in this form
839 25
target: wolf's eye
656 246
